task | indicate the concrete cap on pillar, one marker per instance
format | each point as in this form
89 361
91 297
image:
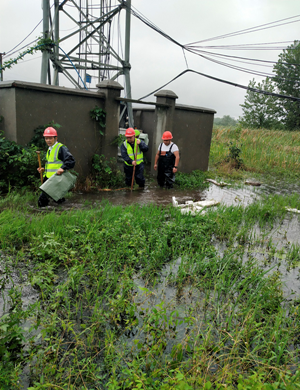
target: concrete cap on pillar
109 84
166 93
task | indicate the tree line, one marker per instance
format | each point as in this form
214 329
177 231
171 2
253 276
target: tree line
266 110
270 111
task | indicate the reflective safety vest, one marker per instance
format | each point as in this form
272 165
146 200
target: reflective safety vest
139 156
53 163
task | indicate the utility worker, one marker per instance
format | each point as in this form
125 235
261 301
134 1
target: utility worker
129 148
166 161
59 159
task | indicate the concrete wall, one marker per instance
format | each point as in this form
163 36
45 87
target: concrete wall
144 119
192 131
25 106
191 128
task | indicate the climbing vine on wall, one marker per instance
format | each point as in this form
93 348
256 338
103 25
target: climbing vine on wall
99 115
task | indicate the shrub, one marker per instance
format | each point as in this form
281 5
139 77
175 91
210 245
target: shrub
106 173
18 165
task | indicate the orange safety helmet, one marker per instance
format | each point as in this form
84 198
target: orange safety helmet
166 136
50 132
129 132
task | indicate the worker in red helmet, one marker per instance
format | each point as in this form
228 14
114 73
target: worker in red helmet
133 147
58 160
166 161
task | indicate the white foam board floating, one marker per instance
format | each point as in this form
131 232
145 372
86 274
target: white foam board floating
194 207
293 210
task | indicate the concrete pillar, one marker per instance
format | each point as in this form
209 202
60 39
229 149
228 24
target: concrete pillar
111 90
164 116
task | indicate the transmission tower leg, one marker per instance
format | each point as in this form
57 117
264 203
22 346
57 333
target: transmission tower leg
126 67
45 55
56 38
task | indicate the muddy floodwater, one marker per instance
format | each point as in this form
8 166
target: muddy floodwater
269 246
283 236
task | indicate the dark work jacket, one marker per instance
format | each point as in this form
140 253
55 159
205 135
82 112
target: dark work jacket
124 154
66 157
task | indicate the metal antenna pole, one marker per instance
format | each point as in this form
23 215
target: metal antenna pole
126 64
45 55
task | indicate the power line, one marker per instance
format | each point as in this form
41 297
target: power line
24 38
192 50
22 47
251 29
223 81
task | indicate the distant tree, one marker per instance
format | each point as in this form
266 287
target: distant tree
287 79
226 121
260 110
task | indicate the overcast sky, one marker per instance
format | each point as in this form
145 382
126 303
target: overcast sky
155 60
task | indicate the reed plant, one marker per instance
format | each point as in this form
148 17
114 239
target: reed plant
263 151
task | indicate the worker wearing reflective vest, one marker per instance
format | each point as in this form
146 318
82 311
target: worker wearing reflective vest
128 151
58 160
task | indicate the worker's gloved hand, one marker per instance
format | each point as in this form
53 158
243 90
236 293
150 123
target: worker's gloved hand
60 171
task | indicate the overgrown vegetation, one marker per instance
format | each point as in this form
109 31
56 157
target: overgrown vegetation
147 298
196 179
18 164
140 297
270 152
106 173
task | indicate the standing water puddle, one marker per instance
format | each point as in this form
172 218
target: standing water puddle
282 237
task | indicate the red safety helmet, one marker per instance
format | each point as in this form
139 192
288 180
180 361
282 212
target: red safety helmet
50 132
166 136
129 132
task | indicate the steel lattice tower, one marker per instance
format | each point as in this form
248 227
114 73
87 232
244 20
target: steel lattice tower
87 54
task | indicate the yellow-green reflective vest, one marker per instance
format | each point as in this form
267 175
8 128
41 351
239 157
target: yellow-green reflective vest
139 156
53 163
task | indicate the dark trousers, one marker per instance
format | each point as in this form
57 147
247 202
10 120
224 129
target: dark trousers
44 198
165 175
138 175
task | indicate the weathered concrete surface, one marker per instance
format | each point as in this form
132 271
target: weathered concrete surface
191 128
25 106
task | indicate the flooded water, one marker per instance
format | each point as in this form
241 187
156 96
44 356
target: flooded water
153 194
283 237
228 195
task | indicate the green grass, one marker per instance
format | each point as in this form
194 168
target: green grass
106 317
270 152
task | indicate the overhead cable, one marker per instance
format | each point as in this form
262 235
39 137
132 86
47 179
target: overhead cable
251 29
9 52
223 81
193 51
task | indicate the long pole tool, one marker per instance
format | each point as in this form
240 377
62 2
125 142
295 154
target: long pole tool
133 172
40 165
